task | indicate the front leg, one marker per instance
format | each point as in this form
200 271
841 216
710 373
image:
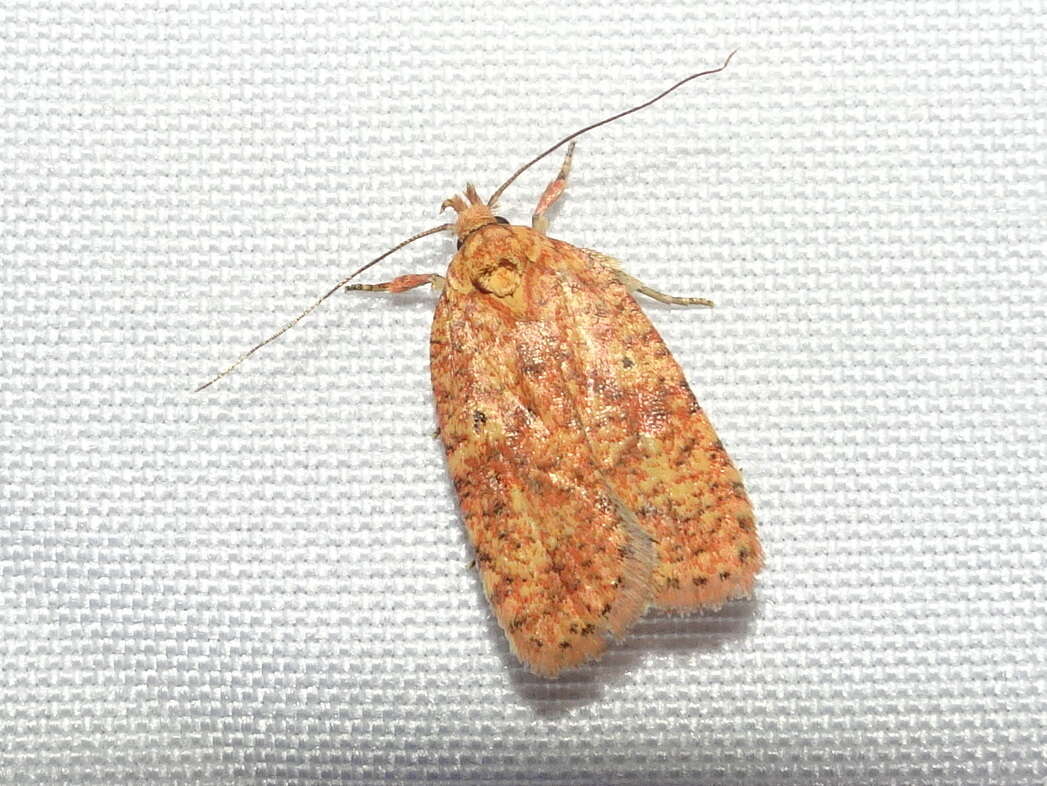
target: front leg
552 193
402 284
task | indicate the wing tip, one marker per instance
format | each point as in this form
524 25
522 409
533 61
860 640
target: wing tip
701 589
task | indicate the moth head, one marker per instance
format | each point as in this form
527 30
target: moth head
472 211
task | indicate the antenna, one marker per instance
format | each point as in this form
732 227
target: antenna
576 134
320 300
444 227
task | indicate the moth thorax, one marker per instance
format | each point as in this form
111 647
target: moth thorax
500 279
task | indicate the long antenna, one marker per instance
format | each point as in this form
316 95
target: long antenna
316 305
443 227
660 96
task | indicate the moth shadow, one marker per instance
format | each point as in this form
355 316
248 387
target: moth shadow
694 632
669 634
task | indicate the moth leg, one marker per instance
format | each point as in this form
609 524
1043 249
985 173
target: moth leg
402 284
553 192
636 285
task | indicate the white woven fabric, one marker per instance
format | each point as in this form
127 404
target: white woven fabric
268 582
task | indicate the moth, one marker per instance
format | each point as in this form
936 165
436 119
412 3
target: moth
591 483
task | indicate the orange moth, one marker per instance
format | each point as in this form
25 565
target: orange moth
591 483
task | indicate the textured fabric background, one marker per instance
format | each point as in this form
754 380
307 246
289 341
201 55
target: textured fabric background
268 582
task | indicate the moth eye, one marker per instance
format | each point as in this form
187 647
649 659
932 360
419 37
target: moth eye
501 220
461 242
